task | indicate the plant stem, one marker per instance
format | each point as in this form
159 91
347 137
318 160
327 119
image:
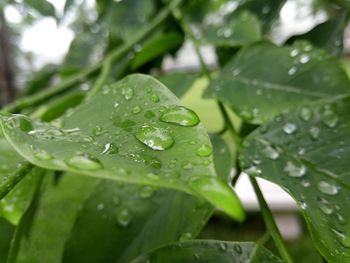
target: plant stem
264 238
33 100
103 77
13 179
270 223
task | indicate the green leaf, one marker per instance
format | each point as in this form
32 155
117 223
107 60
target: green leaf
13 205
267 11
7 231
130 220
45 8
306 152
328 35
264 80
223 156
133 131
210 251
178 82
155 47
239 30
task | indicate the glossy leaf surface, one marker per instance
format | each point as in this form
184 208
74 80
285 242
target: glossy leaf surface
307 153
132 131
263 75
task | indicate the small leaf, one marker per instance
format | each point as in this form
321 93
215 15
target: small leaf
118 134
129 220
263 75
328 35
210 251
306 152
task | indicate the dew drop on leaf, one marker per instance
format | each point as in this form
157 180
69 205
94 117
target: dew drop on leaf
340 218
289 128
343 238
223 247
270 153
155 138
295 170
128 93
181 116
314 132
237 248
327 188
43 155
325 206
84 162
329 117
136 109
100 206
155 98
292 71
110 148
204 150
185 237
305 114
124 217
146 192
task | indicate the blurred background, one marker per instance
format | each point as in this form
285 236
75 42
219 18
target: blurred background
43 42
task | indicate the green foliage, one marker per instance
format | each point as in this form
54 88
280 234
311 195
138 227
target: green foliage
109 166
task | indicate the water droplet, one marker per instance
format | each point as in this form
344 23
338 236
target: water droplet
98 130
329 117
340 218
343 239
185 237
325 206
305 183
295 170
116 105
223 247
204 151
270 153
43 155
155 98
292 71
304 58
327 188
155 138
136 109
153 176
110 148
181 116
128 93
305 114
289 128
237 248
146 192
84 162
124 217
100 206
149 114
314 132
294 52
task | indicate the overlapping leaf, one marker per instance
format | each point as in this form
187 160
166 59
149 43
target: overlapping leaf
210 251
133 131
307 153
264 80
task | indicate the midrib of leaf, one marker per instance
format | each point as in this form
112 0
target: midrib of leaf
306 162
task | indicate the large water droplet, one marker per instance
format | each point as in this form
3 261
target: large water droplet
292 71
128 93
314 132
204 151
84 162
343 238
327 188
304 58
155 138
124 217
325 206
43 155
185 237
237 248
270 153
289 128
181 116
295 170
340 218
136 109
155 98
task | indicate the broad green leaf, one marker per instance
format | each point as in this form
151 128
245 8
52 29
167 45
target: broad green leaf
267 11
13 205
307 153
328 35
239 30
155 47
129 220
6 230
178 82
44 7
264 80
223 157
209 251
54 219
133 131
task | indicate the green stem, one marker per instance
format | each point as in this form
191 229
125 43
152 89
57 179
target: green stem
14 178
264 238
103 77
35 99
270 223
